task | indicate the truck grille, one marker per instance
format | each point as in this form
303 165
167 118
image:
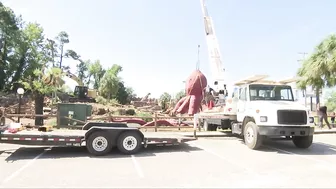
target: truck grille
292 117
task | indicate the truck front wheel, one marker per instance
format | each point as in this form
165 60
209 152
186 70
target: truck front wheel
303 141
252 138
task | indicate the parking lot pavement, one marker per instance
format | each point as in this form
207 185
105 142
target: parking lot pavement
215 162
10 166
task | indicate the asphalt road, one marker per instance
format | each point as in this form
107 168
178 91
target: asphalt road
206 163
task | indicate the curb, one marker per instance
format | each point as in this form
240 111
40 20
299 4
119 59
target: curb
324 132
209 136
232 135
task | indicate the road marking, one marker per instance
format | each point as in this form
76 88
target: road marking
225 159
17 172
137 167
325 163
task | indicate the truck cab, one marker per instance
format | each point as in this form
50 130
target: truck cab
270 110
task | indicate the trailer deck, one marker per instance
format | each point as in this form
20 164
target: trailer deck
34 137
93 135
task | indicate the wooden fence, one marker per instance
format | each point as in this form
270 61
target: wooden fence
108 118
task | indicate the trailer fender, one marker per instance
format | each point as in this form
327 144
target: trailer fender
89 125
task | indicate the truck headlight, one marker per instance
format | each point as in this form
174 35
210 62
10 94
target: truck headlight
263 118
311 120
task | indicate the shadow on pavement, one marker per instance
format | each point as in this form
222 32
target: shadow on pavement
25 153
283 146
7 151
317 148
229 132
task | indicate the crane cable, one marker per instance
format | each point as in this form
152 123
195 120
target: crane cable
198 68
198 58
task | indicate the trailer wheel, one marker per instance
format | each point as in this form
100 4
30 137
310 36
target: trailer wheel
303 141
213 127
98 143
252 138
129 142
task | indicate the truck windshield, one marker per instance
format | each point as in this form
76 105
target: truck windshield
271 92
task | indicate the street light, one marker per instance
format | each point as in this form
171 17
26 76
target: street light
20 92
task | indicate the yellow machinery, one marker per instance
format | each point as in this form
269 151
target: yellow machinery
82 93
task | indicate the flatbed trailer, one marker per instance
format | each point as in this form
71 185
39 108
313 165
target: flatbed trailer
99 138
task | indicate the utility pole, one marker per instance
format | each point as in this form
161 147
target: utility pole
304 91
61 57
52 44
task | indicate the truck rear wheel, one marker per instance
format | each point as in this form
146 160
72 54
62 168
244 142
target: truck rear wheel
129 142
303 141
98 143
252 138
209 127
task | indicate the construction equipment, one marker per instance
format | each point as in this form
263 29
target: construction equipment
82 93
145 97
262 108
216 64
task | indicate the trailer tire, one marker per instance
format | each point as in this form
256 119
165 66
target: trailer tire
252 138
303 141
99 144
129 142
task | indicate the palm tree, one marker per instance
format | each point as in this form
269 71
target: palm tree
109 84
319 70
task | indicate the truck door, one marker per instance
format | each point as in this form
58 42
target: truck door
241 105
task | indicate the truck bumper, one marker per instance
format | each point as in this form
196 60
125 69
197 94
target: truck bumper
286 130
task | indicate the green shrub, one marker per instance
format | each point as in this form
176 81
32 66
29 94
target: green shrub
113 101
101 100
144 114
130 112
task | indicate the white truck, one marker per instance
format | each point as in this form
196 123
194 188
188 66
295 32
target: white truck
259 108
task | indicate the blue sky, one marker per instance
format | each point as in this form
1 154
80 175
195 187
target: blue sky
155 41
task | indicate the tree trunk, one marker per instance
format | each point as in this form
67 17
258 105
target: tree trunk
89 80
3 65
317 95
18 74
61 58
39 99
